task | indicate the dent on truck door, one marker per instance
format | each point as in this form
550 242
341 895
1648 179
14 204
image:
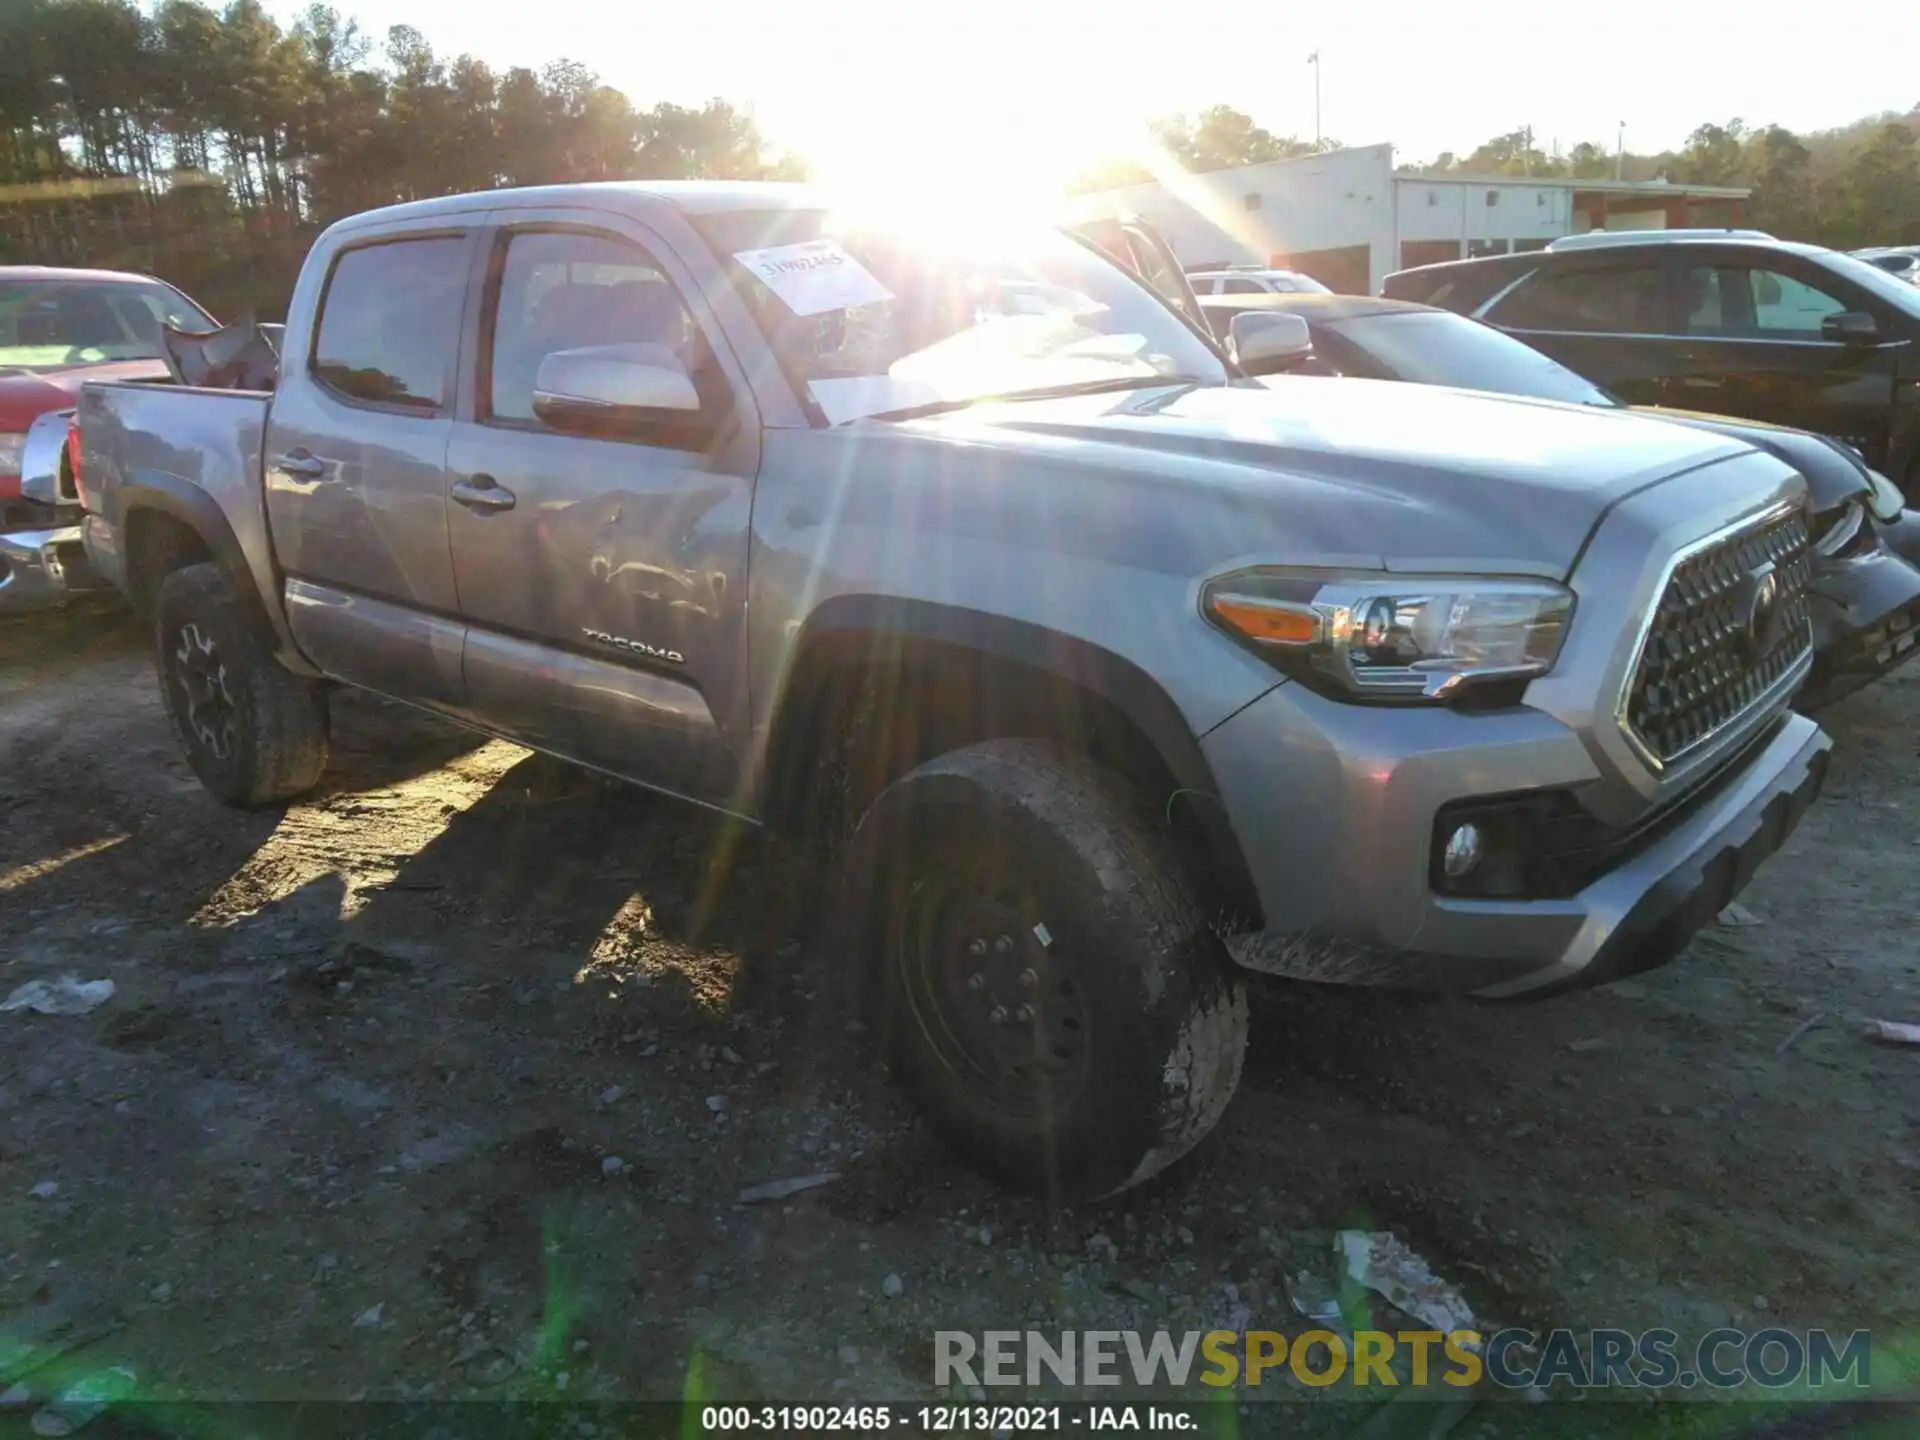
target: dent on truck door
602 565
356 469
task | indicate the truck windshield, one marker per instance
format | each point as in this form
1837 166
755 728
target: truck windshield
51 324
867 320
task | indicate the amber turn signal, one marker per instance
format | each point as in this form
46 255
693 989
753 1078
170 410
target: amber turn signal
1271 622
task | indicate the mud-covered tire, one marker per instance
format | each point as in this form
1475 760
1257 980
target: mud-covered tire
253 731
1013 880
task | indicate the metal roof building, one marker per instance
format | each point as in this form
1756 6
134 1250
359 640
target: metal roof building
1349 218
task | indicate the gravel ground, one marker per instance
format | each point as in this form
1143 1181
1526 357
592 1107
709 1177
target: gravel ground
444 1083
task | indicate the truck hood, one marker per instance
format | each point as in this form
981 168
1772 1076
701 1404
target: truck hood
1315 470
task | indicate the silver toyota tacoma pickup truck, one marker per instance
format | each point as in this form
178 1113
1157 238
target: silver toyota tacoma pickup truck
1104 673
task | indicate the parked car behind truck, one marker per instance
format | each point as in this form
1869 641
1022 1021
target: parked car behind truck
58 329
1116 671
1734 324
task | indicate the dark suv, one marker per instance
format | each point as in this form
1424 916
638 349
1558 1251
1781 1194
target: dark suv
1735 324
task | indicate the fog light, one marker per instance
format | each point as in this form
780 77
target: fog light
1464 848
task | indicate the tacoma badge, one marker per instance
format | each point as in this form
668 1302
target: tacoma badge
635 647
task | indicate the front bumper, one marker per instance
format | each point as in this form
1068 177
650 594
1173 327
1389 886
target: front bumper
1334 807
43 569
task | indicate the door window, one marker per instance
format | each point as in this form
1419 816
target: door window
1748 301
1242 287
390 322
565 291
1616 300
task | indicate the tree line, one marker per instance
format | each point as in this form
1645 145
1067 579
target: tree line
210 147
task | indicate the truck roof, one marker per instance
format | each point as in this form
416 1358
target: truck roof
690 197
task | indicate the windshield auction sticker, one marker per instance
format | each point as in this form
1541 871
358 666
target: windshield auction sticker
815 277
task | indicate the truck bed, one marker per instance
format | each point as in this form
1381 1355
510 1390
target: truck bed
201 449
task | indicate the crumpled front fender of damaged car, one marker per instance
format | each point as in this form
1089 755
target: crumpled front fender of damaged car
1866 621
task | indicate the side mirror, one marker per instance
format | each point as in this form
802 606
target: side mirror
1263 342
1850 327
612 386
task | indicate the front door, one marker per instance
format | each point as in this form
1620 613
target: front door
603 576
1754 348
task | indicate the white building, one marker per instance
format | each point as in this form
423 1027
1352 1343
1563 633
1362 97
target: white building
1349 218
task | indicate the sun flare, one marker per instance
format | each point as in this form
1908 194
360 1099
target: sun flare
989 155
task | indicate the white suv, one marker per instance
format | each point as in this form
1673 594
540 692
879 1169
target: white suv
1254 281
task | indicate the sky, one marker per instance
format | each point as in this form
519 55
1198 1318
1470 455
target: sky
1048 86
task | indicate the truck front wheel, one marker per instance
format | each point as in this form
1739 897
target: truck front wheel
254 732
1047 988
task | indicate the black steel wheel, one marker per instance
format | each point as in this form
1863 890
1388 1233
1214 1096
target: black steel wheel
990 989
1046 988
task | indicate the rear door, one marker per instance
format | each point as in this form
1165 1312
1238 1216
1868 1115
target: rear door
1755 348
603 576
356 455
1610 319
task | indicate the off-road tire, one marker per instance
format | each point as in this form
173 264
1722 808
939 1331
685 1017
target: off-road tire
1105 931
253 731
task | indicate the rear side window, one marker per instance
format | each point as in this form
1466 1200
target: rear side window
390 322
1623 299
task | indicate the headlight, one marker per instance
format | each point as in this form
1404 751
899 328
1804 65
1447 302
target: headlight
1407 638
1887 502
10 449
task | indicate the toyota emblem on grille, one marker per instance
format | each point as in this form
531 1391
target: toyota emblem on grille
1761 594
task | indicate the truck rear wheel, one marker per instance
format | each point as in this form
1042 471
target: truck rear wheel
254 732
1047 989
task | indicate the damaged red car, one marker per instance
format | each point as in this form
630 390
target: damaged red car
58 330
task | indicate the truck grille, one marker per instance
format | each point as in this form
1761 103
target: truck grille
1731 625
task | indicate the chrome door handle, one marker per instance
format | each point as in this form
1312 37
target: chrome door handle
482 493
301 465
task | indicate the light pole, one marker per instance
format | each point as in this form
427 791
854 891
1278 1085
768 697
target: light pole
1314 61
1620 153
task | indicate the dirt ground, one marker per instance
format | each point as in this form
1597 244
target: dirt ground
444 1082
